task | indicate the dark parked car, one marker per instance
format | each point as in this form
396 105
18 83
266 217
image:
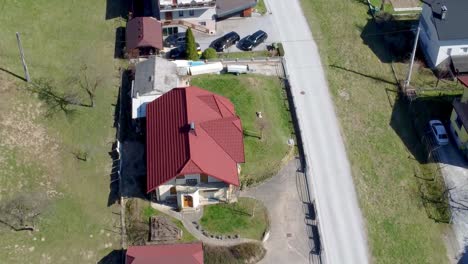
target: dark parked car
225 41
180 52
253 40
175 40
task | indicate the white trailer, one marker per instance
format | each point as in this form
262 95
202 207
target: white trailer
216 67
237 69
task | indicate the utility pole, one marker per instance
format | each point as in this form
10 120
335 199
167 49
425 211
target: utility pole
20 47
408 78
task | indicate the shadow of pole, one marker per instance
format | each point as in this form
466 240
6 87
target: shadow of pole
13 74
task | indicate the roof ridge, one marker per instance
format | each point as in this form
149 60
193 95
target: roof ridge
220 101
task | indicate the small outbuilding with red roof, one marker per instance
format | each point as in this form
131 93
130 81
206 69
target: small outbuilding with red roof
194 147
165 254
143 37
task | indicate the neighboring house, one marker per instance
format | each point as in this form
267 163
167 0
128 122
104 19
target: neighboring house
444 34
153 77
143 37
459 118
200 15
194 147
165 254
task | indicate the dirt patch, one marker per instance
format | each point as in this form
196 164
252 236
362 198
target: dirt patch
25 145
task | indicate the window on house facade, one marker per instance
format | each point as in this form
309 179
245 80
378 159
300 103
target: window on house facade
464 50
181 13
191 12
173 191
459 122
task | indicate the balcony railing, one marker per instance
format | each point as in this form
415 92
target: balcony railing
187 24
192 5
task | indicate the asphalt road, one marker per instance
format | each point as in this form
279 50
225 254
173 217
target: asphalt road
329 175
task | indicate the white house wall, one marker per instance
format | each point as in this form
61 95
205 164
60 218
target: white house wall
198 14
452 48
165 190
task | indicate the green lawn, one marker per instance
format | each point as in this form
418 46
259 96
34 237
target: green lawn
399 229
244 54
247 218
60 39
251 94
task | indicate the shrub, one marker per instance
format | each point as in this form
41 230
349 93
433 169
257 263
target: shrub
209 53
191 47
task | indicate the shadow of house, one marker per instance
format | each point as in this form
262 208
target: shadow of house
114 257
410 121
119 47
391 40
145 8
117 8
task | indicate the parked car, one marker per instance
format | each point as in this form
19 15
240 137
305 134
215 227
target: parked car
175 40
225 41
180 52
439 132
253 40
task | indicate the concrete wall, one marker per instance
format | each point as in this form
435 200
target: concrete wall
438 51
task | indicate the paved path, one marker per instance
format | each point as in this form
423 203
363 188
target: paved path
329 176
292 222
455 171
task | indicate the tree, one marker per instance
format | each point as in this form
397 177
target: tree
21 212
191 48
209 53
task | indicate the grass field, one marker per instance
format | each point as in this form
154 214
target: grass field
62 40
244 54
247 218
363 87
251 94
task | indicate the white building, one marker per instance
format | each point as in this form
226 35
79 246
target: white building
200 15
153 77
444 32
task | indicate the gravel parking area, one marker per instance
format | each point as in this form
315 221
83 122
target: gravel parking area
244 26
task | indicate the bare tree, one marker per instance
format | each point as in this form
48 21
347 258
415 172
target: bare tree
21 212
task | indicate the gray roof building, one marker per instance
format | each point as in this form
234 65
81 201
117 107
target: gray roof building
450 18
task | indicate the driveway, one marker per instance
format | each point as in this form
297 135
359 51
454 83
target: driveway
455 171
292 219
328 170
244 26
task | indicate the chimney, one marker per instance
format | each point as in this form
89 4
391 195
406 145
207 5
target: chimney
444 12
192 126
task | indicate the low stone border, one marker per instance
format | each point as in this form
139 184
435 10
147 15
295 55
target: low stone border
214 236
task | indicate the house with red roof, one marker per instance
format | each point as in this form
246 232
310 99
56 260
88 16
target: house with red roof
143 37
194 148
164 254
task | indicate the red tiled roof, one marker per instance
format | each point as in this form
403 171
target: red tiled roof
144 32
164 254
463 79
214 147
